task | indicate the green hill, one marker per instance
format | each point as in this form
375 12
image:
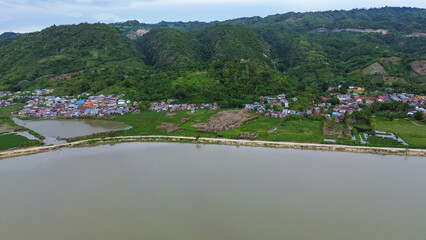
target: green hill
230 61
168 46
11 35
62 49
228 42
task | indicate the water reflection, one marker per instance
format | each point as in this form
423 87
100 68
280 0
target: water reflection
55 130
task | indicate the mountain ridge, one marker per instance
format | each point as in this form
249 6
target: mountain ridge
239 58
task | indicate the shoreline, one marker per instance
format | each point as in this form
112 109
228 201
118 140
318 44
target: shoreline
220 141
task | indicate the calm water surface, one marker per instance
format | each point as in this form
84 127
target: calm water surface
66 128
185 191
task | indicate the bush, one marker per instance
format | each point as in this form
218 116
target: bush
418 116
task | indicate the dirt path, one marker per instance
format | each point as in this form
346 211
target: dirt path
417 124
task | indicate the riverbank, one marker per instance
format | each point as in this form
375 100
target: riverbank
220 141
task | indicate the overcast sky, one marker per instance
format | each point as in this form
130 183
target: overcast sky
34 15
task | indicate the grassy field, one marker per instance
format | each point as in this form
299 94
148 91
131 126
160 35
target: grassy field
413 132
5 115
144 123
270 129
13 140
290 131
8 125
299 131
260 125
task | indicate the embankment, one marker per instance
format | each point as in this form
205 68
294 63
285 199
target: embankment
221 141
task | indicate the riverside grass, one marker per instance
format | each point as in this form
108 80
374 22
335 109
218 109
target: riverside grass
300 131
12 140
413 132
304 131
145 123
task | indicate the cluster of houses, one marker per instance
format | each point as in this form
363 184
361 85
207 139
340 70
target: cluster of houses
39 104
278 106
170 106
8 98
4 100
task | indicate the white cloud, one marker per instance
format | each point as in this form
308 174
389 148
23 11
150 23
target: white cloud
107 17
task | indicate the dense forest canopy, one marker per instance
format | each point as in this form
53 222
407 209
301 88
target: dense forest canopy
232 61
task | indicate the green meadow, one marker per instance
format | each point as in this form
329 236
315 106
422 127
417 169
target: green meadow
7 125
413 132
269 129
13 140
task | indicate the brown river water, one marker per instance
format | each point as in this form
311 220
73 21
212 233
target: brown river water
188 191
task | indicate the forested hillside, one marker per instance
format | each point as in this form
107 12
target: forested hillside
233 61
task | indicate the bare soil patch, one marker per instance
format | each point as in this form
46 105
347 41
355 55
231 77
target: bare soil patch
419 67
226 120
368 30
248 135
65 75
169 127
184 120
374 68
391 60
138 33
293 19
5 128
417 124
170 114
331 129
416 34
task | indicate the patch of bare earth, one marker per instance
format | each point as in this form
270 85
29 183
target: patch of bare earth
293 19
65 75
226 120
5 128
419 67
248 135
368 30
374 68
391 60
319 30
169 127
332 129
138 33
184 120
417 124
416 34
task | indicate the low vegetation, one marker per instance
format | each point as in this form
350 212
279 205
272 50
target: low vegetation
169 127
413 132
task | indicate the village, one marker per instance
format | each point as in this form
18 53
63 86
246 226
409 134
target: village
279 106
41 104
169 106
